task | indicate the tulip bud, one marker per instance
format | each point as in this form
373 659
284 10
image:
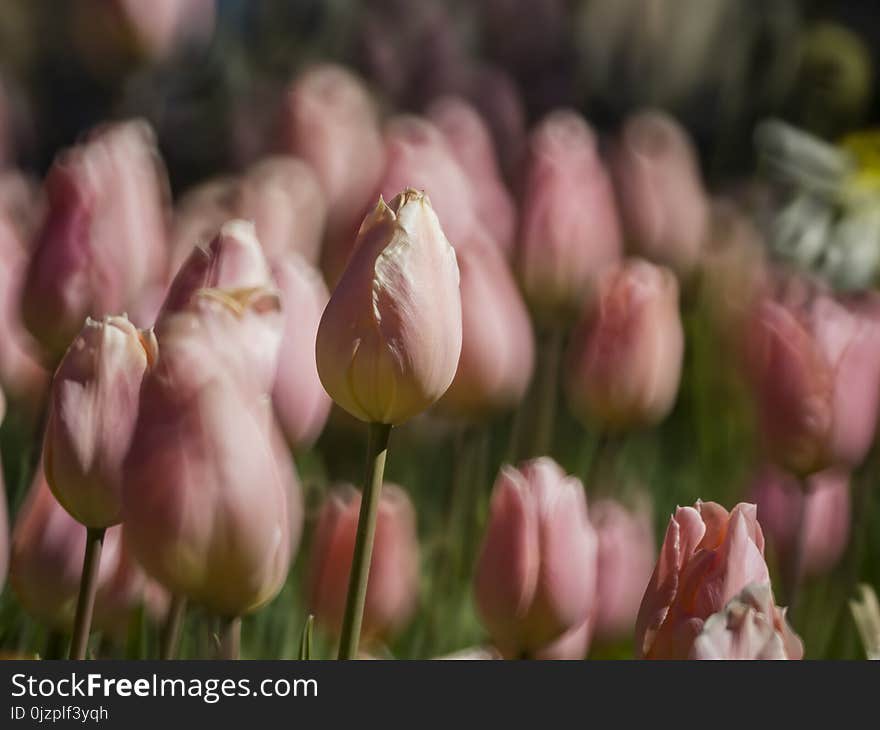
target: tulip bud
497 346
471 145
389 340
627 554
536 575
393 583
104 237
568 227
779 497
814 364
330 121
284 199
662 201
92 412
199 214
625 356
707 557
749 627
301 403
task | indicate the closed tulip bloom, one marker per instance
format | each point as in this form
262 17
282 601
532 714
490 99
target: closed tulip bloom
568 228
662 200
104 236
536 575
497 347
301 403
749 627
707 557
626 560
392 587
389 340
92 412
814 363
283 197
330 120
205 504
625 356
199 215
780 497
471 144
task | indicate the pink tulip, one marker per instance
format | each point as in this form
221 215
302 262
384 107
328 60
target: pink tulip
199 215
827 517
749 627
627 554
301 403
330 121
568 229
393 583
497 348
707 557
389 340
814 363
205 504
660 193
625 357
471 144
46 565
104 238
284 199
92 412
536 575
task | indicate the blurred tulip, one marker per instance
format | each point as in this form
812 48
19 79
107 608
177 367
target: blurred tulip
392 588
301 403
536 575
199 215
749 627
660 193
390 338
104 238
471 144
814 363
625 356
92 412
46 562
205 504
627 554
497 347
779 497
284 199
568 227
708 556
330 121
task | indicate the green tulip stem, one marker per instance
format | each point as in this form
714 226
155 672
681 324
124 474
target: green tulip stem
171 629
88 587
795 566
230 638
377 449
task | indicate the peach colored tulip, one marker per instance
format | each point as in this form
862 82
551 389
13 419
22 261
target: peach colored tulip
199 215
471 144
780 496
330 121
392 588
625 356
104 237
707 557
497 347
389 340
814 363
92 412
568 228
204 503
283 197
301 403
749 627
661 196
536 575
627 554
46 565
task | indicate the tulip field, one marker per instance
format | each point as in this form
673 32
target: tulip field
439 330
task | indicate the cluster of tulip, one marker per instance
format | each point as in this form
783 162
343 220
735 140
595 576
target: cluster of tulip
212 349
